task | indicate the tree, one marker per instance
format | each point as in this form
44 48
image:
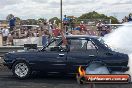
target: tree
9 17
32 22
42 20
94 15
113 20
55 18
18 20
72 17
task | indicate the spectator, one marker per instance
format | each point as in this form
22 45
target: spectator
10 39
104 31
45 26
56 32
50 27
41 25
16 34
1 30
82 27
66 21
26 33
22 33
40 32
72 24
78 28
35 33
126 19
129 18
12 23
123 21
99 27
5 33
44 39
30 33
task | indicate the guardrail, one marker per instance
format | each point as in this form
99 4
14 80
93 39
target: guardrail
6 49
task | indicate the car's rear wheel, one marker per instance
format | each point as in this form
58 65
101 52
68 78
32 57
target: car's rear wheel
21 70
93 68
97 68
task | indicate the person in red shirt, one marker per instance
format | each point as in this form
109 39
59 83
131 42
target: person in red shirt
56 32
82 27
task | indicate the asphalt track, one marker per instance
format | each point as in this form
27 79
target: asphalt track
47 81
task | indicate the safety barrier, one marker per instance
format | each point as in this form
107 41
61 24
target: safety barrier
30 40
6 49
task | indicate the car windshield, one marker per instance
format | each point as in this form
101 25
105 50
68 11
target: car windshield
55 42
103 42
52 43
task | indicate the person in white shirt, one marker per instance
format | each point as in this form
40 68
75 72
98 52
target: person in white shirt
5 33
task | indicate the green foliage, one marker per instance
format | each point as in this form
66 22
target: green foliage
18 20
113 20
95 15
32 21
91 15
9 17
55 18
42 19
72 17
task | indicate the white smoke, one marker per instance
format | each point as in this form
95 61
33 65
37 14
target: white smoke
121 40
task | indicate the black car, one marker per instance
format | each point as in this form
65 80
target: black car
87 51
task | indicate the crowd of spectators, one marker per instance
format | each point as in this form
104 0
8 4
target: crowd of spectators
21 33
46 30
127 18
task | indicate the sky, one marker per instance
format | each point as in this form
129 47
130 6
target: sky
28 9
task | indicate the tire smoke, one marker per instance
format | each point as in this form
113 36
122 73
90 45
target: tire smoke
121 40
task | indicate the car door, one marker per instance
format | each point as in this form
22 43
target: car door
81 52
52 60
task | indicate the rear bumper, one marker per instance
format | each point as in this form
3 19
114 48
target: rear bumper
125 68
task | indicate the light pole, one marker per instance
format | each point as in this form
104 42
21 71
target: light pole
61 13
62 33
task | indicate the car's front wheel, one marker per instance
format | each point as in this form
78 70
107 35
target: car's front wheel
21 70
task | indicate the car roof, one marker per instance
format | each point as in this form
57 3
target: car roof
79 36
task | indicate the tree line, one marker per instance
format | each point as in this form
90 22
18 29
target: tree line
90 15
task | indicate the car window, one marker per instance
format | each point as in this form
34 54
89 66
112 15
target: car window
57 45
81 45
77 45
90 45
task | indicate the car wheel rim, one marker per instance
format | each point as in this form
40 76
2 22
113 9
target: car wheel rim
21 70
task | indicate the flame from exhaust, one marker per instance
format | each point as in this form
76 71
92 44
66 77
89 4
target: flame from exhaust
81 71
